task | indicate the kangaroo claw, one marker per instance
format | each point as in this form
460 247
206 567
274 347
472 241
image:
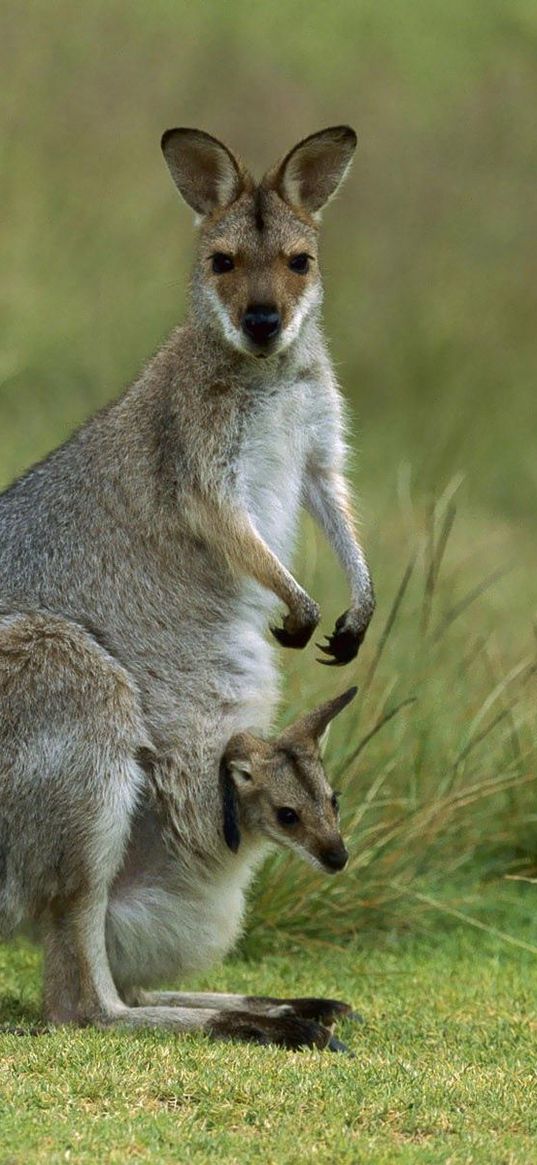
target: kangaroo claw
335 1045
344 643
297 638
328 651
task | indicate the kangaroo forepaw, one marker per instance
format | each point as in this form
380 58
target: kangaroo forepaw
297 638
294 633
348 636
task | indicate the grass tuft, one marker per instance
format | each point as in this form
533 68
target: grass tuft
437 755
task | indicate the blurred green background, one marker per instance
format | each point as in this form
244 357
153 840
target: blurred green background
431 301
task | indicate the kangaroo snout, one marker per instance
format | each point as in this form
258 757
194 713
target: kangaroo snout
261 323
335 859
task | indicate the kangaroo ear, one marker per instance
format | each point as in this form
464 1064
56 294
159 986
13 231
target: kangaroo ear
205 172
315 724
230 808
311 173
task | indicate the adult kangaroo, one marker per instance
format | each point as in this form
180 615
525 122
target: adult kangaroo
139 561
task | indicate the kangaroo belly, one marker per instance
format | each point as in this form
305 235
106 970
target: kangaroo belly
169 915
156 935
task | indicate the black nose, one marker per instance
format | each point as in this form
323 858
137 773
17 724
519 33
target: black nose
335 859
261 323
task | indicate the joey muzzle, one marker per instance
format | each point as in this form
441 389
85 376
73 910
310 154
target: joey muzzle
335 858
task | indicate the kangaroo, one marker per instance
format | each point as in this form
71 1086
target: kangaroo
167 523
149 550
89 862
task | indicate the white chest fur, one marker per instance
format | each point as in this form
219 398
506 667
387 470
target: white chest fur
272 465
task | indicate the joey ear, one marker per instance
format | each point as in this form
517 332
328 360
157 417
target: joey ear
205 172
313 170
315 724
239 754
323 739
230 808
240 770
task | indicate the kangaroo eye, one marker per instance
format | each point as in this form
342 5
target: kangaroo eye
335 801
222 263
287 816
300 264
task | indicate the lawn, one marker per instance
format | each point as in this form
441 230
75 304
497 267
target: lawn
444 1066
431 281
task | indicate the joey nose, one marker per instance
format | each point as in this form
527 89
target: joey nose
335 859
261 323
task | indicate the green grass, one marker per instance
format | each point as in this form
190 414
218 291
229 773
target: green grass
430 305
444 1067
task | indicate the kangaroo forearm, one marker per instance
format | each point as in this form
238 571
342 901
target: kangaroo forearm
231 532
328 502
248 552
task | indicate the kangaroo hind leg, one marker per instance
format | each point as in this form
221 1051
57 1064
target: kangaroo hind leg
323 1010
70 731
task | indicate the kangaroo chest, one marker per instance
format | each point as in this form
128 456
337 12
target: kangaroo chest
272 460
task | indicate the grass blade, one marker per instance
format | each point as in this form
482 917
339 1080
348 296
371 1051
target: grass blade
390 621
467 600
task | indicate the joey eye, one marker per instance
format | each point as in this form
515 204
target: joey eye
222 263
300 264
287 816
